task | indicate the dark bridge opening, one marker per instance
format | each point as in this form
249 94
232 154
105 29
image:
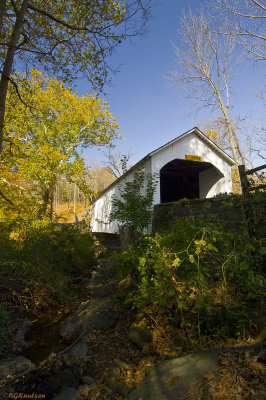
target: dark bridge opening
180 178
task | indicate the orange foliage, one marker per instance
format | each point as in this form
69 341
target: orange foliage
213 135
65 212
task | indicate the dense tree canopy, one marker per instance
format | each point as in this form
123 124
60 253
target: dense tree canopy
66 38
46 132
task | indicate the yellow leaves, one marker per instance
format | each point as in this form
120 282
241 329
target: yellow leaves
200 245
213 135
59 116
209 375
52 127
177 261
191 258
237 378
252 362
173 380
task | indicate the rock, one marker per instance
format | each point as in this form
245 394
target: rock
67 393
67 377
101 291
26 325
80 350
15 366
45 388
96 313
58 363
173 379
94 275
139 335
146 349
20 335
88 380
120 389
25 346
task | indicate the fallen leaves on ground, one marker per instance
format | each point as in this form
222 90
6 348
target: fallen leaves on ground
240 376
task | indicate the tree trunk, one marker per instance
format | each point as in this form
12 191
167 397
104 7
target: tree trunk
45 200
74 199
51 204
7 67
2 14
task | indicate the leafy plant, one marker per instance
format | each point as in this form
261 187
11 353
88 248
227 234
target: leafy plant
61 125
35 260
132 208
200 276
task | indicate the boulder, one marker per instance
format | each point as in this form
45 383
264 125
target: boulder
96 313
118 388
68 378
26 325
101 291
80 350
67 393
15 366
140 335
173 379
45 388
88 380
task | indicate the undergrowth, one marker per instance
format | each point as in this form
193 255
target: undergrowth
4 319
200 277
36 261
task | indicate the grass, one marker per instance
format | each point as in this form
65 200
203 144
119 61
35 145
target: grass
65 212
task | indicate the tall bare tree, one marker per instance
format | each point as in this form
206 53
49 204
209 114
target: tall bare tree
204 67
247 24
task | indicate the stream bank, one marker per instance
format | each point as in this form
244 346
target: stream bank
106 353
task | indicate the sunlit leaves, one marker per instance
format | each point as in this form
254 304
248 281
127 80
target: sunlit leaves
50 127
73 37
132 208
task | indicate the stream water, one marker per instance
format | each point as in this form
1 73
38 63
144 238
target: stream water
44 336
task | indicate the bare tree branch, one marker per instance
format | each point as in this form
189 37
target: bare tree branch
118 162
5 198
204 65
66 39
245 23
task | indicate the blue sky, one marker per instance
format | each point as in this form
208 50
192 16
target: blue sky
149 111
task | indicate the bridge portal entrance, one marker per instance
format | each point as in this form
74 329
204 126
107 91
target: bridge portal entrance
187 179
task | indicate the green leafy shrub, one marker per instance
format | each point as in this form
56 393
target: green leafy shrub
200 276
133 207
66 247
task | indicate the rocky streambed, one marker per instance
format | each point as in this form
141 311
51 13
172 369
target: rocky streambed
65 355
97 353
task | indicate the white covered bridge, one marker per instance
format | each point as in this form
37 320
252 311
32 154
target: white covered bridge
190 166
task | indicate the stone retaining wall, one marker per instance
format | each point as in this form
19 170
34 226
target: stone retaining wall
228 211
